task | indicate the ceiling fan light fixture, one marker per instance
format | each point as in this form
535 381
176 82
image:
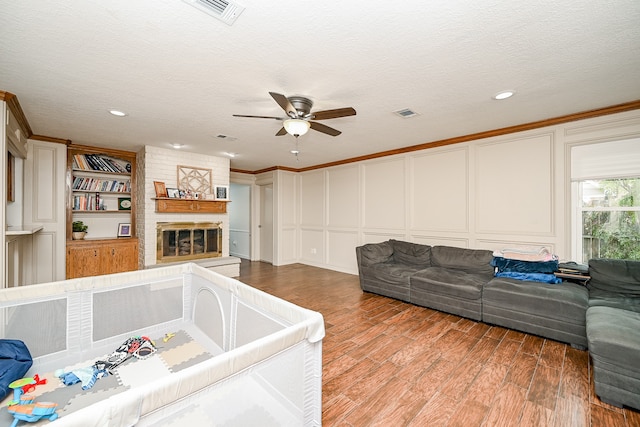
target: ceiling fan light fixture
296 127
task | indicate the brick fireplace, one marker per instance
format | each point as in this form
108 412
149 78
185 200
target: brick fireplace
159 164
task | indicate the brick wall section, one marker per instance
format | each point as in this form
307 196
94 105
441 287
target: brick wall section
159 164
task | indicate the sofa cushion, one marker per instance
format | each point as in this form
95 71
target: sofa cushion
390 272
598 298
411 253
449 281
468 260
373 253
620 277
552 311
614 337
566 302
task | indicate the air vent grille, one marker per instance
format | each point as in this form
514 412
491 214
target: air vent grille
224 10
406 113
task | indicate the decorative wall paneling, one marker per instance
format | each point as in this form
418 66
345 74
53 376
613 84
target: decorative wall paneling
514 186
488 193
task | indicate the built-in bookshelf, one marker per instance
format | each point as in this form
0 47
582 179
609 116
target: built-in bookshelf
98 178
101 188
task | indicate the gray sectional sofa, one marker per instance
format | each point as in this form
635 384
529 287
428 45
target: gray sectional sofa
613 330
604 316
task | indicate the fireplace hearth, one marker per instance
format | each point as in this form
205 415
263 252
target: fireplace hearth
184 241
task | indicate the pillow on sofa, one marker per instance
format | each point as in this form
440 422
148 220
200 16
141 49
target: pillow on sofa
411 253
468 260
615 275
373 253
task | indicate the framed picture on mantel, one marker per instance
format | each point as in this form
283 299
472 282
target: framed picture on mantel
161 189
221 192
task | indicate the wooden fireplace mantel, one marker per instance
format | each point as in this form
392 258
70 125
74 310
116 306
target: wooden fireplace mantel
170 205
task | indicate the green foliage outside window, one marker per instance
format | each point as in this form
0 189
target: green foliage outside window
608 229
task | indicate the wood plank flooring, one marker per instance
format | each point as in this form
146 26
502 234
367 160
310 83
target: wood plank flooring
388 363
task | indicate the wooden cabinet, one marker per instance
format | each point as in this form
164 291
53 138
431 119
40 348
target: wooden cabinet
101 187
105 256
168 205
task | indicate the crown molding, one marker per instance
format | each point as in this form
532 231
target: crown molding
614 109
16 109
66 142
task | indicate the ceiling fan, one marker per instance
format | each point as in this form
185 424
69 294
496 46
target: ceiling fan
300 118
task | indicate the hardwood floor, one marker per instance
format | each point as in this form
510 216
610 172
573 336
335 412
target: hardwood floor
388 363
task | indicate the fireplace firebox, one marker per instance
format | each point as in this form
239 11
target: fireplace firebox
184 241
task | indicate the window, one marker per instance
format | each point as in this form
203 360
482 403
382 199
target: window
609 212
605 185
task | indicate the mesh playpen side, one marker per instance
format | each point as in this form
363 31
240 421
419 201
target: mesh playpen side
264 361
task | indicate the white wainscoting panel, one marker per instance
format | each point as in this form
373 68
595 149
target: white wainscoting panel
370 237
312 194
439 190
343 196
342 252
384 194
44 203
287 246
46 257
287 207
48 197
441 241
514 186
312 245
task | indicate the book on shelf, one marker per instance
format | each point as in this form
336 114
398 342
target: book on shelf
101 163
88 202
82 183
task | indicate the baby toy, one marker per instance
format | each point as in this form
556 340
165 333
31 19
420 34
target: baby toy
36 382
23 408
138 347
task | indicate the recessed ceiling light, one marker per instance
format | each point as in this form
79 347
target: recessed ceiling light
117 113
296 152
232 155
504 94
177 146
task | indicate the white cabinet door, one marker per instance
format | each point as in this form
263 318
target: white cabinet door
44 203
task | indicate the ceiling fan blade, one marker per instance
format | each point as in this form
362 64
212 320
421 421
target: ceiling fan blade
333 114
325 129
259 117
281 132
285 104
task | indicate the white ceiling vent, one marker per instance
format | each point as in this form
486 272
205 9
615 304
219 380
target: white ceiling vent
406 113
224 10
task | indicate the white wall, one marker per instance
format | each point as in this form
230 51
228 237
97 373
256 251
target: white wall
240 220
489 193
159 164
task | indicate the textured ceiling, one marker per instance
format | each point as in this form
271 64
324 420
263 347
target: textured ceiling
180 74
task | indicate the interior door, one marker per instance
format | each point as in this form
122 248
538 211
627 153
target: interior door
266 223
